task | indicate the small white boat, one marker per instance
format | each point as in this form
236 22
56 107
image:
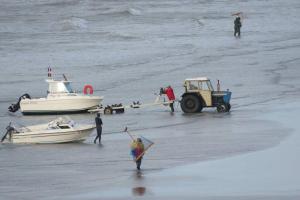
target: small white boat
61 99
60 130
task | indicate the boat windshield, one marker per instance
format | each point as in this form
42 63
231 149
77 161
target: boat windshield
62 123
64 126
60 87
69 88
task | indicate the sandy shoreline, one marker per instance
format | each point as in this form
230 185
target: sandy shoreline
127 50
267 174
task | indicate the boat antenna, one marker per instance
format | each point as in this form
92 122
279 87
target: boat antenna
65 77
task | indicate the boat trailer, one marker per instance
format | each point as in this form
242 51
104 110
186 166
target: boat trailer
120 108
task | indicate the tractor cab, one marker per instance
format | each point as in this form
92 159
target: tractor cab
199 93
201 86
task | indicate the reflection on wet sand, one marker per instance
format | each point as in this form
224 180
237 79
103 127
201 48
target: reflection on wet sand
138 175
140 190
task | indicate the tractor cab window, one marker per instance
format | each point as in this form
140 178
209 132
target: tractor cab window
209 86
193 85
205 85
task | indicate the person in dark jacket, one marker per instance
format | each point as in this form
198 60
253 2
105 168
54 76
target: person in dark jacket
237 26
99 124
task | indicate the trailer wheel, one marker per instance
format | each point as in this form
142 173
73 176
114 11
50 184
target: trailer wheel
108 111
120 110
190 104
221 108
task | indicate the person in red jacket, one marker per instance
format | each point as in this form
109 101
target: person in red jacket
170 94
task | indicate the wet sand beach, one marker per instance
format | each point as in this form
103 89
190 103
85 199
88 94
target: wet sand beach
127 51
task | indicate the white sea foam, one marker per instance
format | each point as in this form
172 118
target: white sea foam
134 11
122 11
73 23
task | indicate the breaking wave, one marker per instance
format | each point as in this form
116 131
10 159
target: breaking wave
134 11
126 12
73 23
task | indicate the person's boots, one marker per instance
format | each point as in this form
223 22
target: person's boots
172 107
138 165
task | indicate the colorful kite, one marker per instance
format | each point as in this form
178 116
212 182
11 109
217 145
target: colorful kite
138 149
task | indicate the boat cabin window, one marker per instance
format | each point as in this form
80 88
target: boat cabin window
68 87
60 87
64 126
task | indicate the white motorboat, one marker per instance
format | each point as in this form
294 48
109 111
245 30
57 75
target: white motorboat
60 130
61 99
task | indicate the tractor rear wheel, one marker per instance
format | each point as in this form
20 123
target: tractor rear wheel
190 104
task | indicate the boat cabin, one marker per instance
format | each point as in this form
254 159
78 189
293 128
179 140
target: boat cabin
59 87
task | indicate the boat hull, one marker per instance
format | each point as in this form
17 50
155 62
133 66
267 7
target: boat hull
52 136
59 105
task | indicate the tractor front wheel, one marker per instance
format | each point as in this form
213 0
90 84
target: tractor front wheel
190 104
221 108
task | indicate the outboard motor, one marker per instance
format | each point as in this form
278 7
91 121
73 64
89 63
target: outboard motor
16 107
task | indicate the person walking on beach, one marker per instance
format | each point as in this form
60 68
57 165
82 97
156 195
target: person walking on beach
170 94
99 124
137 151
237 26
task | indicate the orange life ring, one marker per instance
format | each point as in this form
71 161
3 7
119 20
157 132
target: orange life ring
88 89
